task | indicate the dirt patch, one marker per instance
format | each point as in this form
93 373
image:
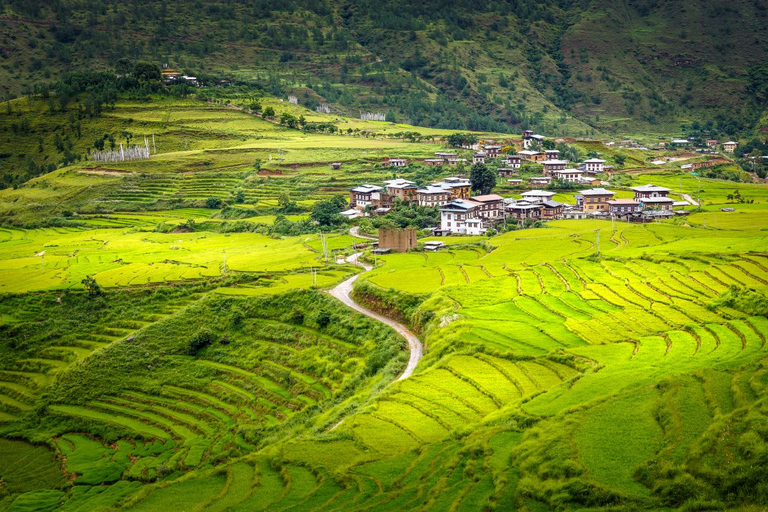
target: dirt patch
182 229
268 172
102 171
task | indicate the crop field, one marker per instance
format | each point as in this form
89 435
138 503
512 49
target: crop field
582 364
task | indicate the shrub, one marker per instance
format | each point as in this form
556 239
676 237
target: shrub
201 339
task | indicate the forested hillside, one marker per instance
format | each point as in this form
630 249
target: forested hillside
555 65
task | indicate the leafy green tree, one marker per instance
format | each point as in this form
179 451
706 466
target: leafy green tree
257 164
620 159
285 204
326 213
482 178
268 112
146 71
239 197
91 286
213 203
390 117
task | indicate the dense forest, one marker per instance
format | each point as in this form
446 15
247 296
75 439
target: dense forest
558 66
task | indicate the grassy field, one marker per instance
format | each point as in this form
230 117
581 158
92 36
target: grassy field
560 371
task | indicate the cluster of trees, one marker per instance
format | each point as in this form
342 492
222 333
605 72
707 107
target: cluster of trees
461 140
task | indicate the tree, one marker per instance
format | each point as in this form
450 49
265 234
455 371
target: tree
460 140
123 66
91 286
146 71
240 197
620 159
390 117
213 203
326 213
257 164
285 204
201 339
482 178
268 112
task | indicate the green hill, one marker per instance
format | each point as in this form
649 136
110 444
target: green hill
558 67
166 341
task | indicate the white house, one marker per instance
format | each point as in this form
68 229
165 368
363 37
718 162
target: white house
730 146
513 161
538 196
479 157
572 175
594 165
550 166
461 217
432 195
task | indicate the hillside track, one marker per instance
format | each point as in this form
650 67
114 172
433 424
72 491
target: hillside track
343 292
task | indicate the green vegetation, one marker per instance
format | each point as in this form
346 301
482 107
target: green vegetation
161 351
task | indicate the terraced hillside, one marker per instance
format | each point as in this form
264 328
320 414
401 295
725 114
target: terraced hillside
552 378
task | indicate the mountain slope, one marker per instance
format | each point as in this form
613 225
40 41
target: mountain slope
556 66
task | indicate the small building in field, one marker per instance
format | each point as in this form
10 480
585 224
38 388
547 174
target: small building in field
533 156
397 240
401 189
530 138
433 196
551 210
594 200
540 180
492 151
362 196
458 187
444 155
650 190
479 157
622 207
523 210
461 216
730 146
572 175
433 162
513 161
594 165
433 245
351 214
336 165
550 166
453 162
505 172
538 196
490 205
515 182
657 203
551 154
712 143
394 162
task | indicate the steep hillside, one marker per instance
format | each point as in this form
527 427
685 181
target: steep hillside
556 66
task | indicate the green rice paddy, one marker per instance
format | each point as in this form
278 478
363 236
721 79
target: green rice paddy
553 378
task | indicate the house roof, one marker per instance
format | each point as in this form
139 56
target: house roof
538 193
365 189
487 198
651 188
460 205
680 141
597 192
730 142
646 200
537 179
535 136
552 204
514 156
623 202
569 171
528 152
519 206
554 162
430 189
594 161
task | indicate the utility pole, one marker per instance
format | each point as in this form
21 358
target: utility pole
598 242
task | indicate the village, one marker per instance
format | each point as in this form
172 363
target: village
462 213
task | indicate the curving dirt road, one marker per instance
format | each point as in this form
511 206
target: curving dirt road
343 292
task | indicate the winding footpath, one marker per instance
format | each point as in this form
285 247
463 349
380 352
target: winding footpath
343 292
